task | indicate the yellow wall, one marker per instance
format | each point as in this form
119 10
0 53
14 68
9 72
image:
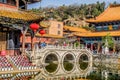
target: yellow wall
53 29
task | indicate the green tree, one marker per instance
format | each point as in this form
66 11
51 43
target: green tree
95 12
76 12
94 76
115 2
102 8
109 40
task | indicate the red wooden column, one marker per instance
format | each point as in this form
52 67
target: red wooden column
34 27
92 46
78 38
24 31
23 43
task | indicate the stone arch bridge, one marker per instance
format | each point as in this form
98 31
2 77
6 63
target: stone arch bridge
57 62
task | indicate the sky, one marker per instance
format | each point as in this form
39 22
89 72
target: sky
46 3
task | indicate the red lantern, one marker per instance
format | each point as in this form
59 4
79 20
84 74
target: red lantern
34 26
42 32
3 53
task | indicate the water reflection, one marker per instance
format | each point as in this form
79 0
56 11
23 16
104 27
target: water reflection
83 62
68 62
52 63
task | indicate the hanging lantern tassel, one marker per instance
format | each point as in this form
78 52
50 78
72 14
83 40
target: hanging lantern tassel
34 27
42 32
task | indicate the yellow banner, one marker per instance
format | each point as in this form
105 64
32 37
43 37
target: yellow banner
110 27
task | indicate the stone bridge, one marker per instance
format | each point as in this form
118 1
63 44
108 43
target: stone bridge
60 62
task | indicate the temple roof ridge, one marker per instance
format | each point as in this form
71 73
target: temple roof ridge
19 14
111 13
114 5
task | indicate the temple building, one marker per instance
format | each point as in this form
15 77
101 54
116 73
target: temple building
13 23
106 23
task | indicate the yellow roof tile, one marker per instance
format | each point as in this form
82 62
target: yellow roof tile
27 16
98 34
45 24
75 29
49 35
112 13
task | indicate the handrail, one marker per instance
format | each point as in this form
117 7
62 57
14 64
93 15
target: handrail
62 47
19 71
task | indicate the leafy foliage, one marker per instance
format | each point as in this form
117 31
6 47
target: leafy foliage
97 76
113 77
89 28
94 76
109 40
77 12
